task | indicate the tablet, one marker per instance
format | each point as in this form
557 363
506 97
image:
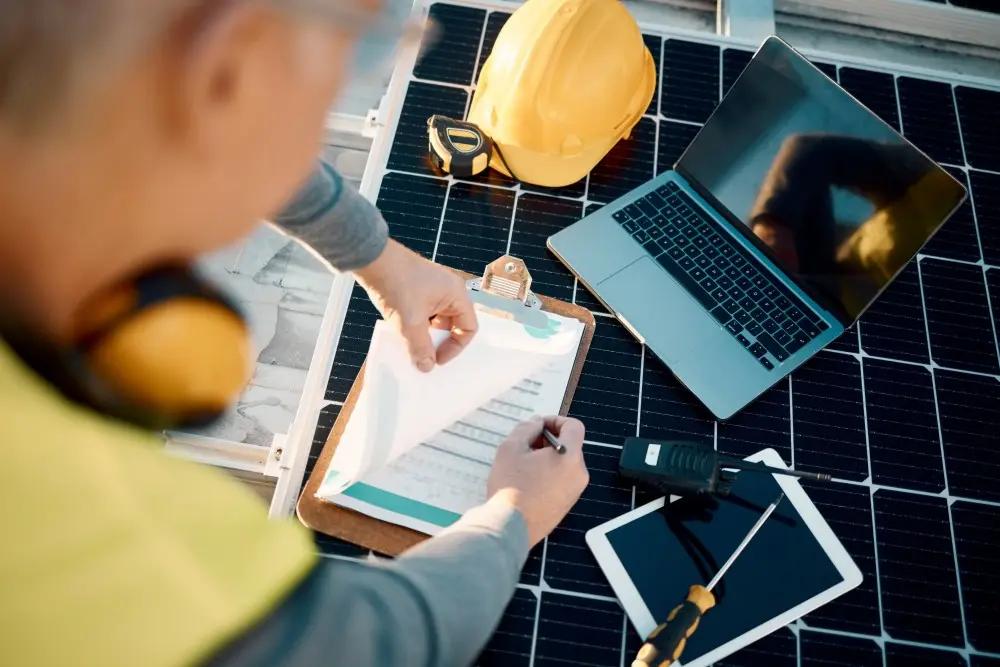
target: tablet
794 564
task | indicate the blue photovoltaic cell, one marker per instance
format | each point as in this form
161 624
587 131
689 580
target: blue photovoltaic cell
957 238
531 573
894 325
673 140
993 285
765 423
904 655
903 439
917 568
977 113
986 203
450 53
958 316
876 90
476 226
823 650
411 205
847 341
848 510
734 61
511 643
536 218
689 89
324 424
977 534
628 165
969 406
352 346
655 46
578 631
423 100
829 417
608 393
668 409
919 426
775 650
569 565
929 118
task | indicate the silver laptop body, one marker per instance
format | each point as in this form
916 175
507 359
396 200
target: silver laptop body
788 214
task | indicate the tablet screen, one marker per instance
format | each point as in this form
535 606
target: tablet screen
686 542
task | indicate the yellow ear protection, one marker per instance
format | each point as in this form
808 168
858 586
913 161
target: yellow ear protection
163 350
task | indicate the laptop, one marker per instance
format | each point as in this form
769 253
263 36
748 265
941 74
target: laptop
792 209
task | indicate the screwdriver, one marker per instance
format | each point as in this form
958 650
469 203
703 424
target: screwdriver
665 644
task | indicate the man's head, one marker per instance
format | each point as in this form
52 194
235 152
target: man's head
138 132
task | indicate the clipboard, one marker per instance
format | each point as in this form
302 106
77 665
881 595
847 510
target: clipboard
504 289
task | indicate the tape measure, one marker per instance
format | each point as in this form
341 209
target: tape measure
458 147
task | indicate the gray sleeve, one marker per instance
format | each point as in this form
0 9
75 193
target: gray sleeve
335 220
436 605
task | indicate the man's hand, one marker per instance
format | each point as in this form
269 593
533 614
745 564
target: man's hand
542 484
412 294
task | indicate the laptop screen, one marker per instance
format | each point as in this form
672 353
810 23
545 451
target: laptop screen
840 199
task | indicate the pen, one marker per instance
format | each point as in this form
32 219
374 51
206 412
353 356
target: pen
553 441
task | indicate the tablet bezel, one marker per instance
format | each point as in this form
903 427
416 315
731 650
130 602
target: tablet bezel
642 619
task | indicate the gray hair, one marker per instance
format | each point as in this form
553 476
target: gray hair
51 49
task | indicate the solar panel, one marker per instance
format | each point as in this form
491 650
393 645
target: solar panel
904 408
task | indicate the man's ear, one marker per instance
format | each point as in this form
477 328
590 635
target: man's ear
216 60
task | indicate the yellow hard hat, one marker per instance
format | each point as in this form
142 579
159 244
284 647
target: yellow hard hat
565 81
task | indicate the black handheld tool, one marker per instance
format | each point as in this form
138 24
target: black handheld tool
458 147
688 468
665 644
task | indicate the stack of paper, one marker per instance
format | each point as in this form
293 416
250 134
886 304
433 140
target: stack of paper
419 446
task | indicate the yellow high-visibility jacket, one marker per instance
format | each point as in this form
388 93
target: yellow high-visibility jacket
113 553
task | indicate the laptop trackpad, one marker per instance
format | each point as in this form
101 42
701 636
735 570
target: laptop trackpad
654 305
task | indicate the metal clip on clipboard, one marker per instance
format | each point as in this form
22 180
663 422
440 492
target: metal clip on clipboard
505 291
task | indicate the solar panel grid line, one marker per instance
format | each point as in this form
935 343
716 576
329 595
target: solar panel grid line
958 576
977 530
864 412
955 300
908 445
985 265
940 434
791 422
958 124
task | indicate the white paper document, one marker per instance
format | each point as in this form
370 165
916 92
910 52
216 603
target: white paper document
419 446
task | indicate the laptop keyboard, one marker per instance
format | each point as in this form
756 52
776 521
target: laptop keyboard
761 313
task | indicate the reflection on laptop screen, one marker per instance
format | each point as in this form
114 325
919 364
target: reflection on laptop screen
837 195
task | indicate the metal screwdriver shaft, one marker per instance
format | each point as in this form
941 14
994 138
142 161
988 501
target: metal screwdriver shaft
665 644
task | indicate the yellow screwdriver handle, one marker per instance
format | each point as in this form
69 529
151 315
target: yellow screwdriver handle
665 644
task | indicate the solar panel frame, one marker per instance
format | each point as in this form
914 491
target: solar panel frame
658 405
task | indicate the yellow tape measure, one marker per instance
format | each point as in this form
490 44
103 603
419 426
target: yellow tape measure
458 147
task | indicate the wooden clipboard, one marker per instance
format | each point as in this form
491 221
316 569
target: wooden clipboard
506 284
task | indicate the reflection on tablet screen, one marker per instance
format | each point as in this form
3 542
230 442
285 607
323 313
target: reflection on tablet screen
686 542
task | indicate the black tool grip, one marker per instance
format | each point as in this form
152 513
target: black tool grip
666 643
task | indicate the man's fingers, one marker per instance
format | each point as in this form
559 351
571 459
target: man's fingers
525 433
569 431
419 345
463 327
